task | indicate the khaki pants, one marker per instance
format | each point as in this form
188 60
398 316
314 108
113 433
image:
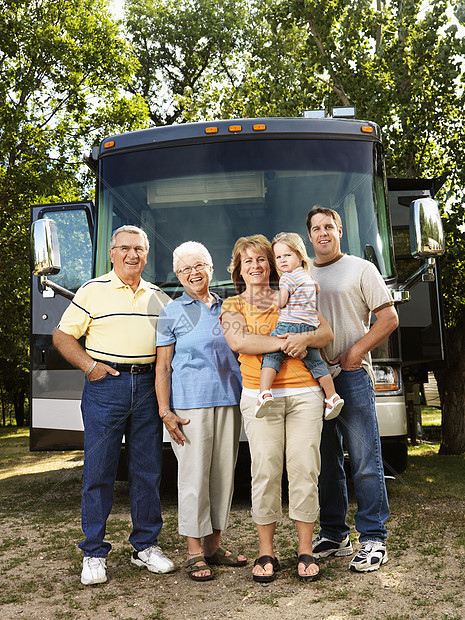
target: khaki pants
291 430
206 464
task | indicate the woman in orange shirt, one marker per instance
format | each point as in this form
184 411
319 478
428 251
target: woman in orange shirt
292 427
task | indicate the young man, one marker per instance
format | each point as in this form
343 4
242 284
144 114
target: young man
351 289
118 313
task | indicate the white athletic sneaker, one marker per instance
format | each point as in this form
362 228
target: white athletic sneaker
154 559
324 547
370 557
94 570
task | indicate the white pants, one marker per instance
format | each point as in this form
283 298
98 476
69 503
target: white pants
206 464
291 429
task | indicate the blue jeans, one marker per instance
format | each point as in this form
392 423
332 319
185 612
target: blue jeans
111 407
357 427
312 360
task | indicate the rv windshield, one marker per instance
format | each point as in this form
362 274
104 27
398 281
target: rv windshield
217 192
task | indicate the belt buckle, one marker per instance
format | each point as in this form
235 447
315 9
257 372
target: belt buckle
137 369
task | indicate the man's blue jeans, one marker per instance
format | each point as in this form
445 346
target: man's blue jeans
113 407
356 427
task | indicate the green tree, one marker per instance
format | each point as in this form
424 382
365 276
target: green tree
185 48
62 69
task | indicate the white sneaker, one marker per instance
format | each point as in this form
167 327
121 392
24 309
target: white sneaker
154 559
370 557
324 547
94 570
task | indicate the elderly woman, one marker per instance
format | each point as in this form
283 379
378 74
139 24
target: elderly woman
292 427
198 387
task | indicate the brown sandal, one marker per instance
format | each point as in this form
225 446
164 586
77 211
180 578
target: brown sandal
192 567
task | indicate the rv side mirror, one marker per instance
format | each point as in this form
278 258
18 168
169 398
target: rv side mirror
426 232
45 248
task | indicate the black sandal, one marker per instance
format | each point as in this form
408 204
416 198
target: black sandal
262 561
192 567
219 558
306 559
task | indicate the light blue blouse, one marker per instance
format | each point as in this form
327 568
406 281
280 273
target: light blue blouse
205 372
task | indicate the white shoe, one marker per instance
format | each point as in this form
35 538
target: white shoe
336 404
154 559
265 399
94 570
324 547
371 555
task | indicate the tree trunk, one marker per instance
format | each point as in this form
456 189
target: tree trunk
336 82
18 403
451 387
3 407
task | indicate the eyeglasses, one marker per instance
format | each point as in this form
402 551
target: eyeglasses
198 267
125 249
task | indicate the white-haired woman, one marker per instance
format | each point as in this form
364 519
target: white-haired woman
198 387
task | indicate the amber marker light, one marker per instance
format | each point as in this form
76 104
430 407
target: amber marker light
386 387
386 379
233 128
259 127
109 144
367 129
211 129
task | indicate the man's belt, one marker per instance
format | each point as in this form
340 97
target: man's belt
135 369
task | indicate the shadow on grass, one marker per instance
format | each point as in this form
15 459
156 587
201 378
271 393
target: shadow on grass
57 486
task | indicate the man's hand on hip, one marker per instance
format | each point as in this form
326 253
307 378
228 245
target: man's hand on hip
100 370
349 360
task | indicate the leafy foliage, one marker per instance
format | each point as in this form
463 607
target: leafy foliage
183 47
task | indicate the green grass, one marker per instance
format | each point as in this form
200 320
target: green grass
13 444
13 431
271 599
432 476
431 416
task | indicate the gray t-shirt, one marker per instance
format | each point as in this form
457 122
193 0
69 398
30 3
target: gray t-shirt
351 289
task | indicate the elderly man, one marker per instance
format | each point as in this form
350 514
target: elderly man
118 313
351 289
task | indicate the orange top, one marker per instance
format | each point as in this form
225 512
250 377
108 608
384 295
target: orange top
292 372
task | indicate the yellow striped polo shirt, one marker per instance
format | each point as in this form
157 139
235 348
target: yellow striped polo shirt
119 325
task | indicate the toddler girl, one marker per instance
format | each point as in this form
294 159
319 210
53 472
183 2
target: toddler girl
297 313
